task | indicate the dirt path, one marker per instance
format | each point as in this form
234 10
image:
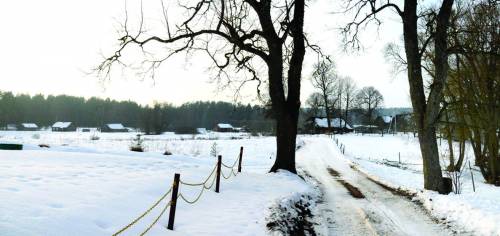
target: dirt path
377 211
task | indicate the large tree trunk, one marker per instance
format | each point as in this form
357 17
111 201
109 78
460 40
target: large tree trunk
430 155
426 113
287 109
286 127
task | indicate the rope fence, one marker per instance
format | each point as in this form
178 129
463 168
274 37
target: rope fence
174 191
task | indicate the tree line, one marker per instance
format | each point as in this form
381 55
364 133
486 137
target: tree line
152 119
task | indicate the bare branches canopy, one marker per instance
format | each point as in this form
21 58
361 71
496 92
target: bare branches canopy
245 36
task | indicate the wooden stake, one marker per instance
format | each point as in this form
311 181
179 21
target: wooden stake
175 191
241 157
472 176
217 181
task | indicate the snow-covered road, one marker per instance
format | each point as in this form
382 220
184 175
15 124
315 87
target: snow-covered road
379 213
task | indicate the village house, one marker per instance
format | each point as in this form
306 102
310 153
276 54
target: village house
201 131
11 127
337 125
222 127
28 127
113 128
61 126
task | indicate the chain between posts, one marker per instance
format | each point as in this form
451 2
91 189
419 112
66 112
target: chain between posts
172 202
199 194
143 214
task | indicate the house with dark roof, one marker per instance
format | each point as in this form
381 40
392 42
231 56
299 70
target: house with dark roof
27 127
63 126
114 128
223 127
337 125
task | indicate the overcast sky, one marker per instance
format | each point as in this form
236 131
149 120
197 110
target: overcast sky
49 47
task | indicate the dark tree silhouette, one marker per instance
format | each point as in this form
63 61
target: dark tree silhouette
426 108
240 34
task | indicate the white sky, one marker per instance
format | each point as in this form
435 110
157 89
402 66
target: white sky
49 46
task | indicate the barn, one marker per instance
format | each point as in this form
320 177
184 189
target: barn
113 128
223 127
28 127
63 126
11 127
338 125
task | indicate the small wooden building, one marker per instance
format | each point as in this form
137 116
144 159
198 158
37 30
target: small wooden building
201 131
114 128
28 127
62 126
337 125
222 127
11 127
384 123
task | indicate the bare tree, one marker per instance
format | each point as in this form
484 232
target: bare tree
240 35
370 99
426 108
324 79
315 103
349 96
471 97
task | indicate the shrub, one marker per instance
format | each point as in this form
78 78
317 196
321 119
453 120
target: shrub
136 145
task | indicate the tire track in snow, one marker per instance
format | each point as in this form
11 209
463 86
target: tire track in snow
380 213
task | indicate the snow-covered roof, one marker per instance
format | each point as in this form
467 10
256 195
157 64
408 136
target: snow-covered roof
387 119
224 126
29 125
61 125
201 130
115 126
335 123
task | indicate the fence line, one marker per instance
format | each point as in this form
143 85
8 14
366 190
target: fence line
174 189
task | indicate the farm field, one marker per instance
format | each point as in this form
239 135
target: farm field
80 186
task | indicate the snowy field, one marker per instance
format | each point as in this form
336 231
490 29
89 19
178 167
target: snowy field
80 186
477 212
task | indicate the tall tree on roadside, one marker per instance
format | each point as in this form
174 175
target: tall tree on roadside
243 35
324 79
426 108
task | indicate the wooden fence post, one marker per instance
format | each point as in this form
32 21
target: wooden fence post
399 157
217 181
472 176
173 204
241 157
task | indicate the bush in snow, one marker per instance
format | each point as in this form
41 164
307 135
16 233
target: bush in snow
167 151
293 216
35 136
136 145
94 137
214 150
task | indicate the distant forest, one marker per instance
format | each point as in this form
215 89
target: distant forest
95 112
160 117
